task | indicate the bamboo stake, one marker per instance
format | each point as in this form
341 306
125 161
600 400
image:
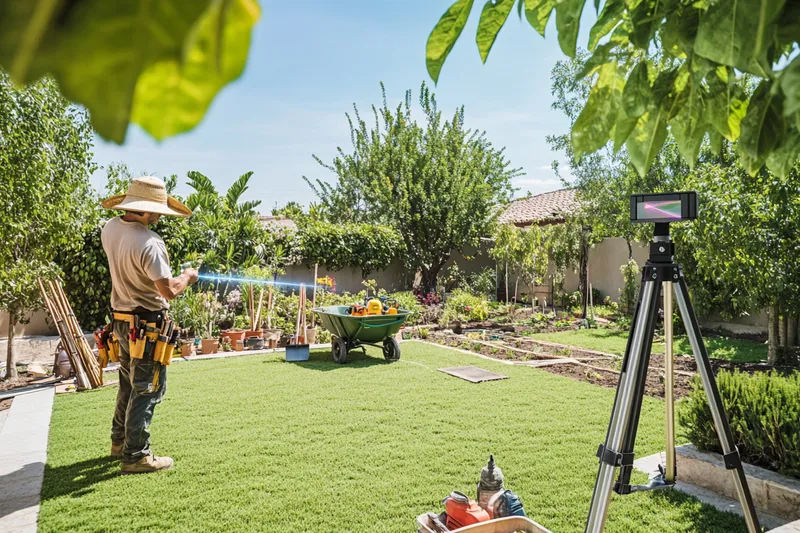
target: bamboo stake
89 362
299 313
258 313
66 340
251 304
314 297
269 310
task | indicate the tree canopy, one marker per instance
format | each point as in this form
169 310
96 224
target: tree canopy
438 183
697 69
155 64
45 164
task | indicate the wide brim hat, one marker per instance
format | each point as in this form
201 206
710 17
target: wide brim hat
147 194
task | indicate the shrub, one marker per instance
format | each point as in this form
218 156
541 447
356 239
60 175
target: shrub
482 283
409 302
630 275
764 414
463 306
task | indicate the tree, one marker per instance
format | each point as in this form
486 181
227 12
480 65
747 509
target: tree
439 184
683 66
45 164
505 248
223 230
745 240
160 71
566 247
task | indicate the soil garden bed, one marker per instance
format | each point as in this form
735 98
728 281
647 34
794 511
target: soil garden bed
592 366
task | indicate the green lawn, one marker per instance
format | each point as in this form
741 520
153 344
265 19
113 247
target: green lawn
613 341
265 445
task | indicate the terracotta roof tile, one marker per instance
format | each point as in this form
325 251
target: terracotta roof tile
540 208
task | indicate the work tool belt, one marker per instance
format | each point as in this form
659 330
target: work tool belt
152 334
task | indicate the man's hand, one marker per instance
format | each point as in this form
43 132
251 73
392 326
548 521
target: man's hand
192 274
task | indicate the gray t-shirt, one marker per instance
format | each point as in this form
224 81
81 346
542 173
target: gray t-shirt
137 258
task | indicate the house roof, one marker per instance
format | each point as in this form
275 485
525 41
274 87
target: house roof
548 207
277 223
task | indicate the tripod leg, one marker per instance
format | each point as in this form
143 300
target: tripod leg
610 457
731 454
669 386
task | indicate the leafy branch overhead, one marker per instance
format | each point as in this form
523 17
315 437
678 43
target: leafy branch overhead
155 64
696 68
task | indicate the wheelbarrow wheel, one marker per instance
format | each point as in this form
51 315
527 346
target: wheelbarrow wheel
391 349
339 350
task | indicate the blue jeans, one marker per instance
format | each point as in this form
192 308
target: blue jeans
136 397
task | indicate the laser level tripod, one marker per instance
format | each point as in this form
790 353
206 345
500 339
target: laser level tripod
660 275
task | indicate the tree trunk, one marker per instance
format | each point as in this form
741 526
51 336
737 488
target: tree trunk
506 281
773 335
11 360
516 291
584 275
792 339
429 276
630 249
785 330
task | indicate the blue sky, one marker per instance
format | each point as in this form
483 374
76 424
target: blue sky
310 61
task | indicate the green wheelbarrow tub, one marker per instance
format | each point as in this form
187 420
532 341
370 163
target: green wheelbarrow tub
355 330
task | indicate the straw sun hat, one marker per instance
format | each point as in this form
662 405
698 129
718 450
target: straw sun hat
148 195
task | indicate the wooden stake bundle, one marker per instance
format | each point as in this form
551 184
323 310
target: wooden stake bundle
87 371
269 310
257 322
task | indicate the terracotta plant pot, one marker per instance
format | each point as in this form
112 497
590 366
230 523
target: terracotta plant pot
239 346
270 334
234 335
187 350
209 346
254 333
311 335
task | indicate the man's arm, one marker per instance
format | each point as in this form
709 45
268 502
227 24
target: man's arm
170 288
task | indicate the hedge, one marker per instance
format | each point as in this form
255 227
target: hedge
764 413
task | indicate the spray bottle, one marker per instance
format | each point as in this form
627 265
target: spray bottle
490 487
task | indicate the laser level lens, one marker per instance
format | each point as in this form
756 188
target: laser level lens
669 207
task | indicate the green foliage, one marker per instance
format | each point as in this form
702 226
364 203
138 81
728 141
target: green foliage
631 274
336 246
764 414
409 302
45 164
438 183
703 59
463 306
563 243
482 283
745 239
87 280
160 71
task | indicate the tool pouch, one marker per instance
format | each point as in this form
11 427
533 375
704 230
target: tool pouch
144 347
113 349
160 354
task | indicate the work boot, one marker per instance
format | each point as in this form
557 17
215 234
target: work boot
147 464
116 449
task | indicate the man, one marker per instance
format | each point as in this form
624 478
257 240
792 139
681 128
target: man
141 287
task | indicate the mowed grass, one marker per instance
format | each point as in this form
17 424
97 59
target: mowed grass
613 341
265 445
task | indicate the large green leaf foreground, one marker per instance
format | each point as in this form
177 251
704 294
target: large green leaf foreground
725 68
155 64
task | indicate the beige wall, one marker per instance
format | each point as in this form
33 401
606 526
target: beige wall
38 325
605 260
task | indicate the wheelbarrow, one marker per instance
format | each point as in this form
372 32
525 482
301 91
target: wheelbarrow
350 332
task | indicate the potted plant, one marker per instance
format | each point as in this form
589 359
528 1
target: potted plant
236 334
206 309
271 335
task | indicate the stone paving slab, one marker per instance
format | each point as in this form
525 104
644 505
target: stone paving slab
23 454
